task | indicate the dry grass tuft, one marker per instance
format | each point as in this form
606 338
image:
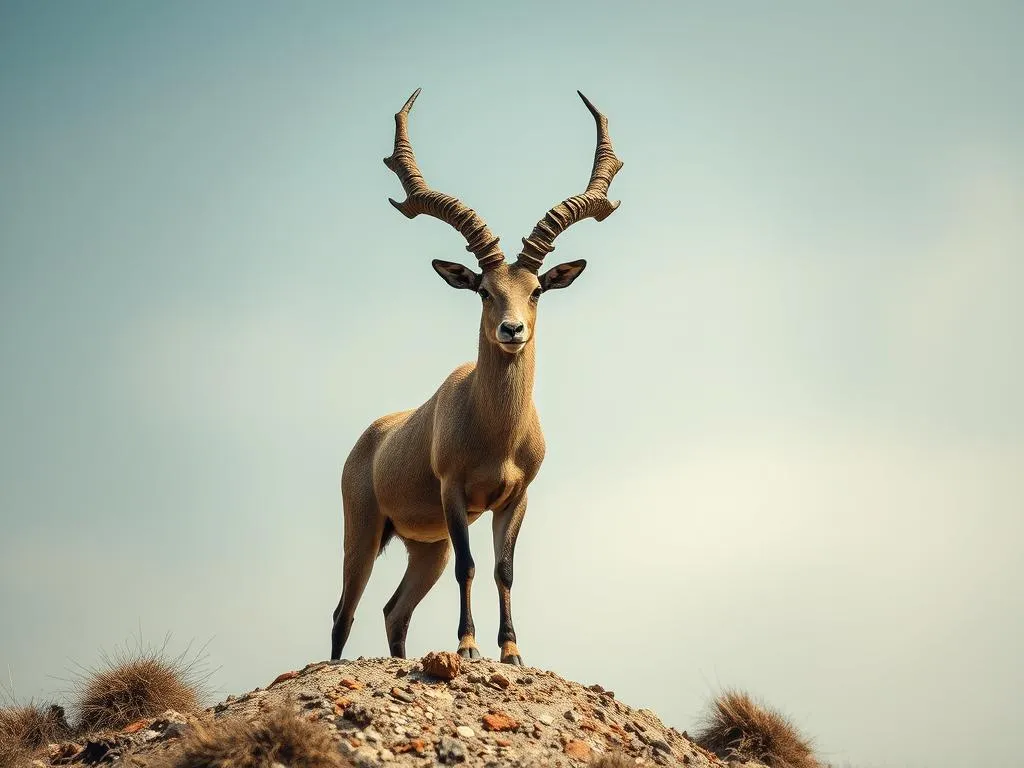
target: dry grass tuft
281 736
737 727
26 728
135 683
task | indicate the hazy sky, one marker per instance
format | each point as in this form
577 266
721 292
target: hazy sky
783 405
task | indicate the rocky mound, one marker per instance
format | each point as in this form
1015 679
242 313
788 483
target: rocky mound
438 710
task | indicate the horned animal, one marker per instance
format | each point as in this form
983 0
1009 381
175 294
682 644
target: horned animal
426 474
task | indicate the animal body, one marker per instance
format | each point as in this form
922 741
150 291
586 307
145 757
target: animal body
425 474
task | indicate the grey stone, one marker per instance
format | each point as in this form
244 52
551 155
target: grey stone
450 751
364 757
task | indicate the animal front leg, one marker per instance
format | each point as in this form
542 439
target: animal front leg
454 501
506 530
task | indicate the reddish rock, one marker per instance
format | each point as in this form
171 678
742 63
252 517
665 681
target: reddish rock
499 721
442 664
503 742
500 680
340 703
577 750
413 745
352 685
137 726
282 677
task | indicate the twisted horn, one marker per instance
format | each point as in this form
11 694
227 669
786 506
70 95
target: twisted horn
593 202
422 199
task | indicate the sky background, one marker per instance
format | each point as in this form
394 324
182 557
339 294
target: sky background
790 460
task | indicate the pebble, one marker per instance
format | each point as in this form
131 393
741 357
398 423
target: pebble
371 735
465 732
443 665
499 721
386 755
450 751
578 750
500 680
658 744
401 695
547 719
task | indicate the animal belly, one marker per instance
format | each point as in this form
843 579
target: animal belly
425 528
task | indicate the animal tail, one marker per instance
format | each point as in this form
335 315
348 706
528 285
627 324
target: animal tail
386 536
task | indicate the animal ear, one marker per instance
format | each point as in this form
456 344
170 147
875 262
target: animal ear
562 275
456 275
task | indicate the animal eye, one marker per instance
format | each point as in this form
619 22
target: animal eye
536 294
484 294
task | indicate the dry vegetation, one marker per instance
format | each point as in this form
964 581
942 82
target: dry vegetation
26 728
128 685
282 737
136 683
738 728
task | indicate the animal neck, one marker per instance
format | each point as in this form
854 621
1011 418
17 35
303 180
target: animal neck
503 385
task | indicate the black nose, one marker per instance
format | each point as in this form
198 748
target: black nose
512 329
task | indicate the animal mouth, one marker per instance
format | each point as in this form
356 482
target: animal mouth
511 346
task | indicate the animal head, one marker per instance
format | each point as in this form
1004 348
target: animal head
509 291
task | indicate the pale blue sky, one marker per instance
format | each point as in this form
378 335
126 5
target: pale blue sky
790 461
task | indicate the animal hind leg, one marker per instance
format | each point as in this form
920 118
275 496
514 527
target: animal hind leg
426 564
362 544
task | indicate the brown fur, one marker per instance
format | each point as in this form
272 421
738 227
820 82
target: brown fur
428 473
508 648
26 728
134 684
280 736
737 727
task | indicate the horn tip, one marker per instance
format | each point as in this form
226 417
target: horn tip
410 101
589 103
399 207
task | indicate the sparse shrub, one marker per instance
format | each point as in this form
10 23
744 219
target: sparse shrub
26 728
281 736
737 727
135 683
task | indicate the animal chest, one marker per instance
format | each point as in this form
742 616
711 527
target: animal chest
490 484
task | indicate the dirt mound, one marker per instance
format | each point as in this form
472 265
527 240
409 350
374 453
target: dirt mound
391 712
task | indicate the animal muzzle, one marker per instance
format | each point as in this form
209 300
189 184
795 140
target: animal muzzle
512 332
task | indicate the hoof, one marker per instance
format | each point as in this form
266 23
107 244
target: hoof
469 653
515 661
